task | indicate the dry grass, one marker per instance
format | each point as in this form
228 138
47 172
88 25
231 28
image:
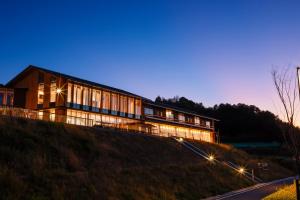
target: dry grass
42 160
286 193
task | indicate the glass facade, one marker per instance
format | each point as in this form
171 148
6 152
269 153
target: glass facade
109 108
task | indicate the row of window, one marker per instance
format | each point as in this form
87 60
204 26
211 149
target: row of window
100 99
181 117
168 130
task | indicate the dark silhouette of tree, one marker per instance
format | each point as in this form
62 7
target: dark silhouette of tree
285 83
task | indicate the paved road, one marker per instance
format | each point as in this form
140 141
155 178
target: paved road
256 192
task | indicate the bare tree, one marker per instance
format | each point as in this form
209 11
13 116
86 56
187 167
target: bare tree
285 82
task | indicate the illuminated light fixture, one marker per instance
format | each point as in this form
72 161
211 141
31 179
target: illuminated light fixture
241 170
211 157
180 140
58 90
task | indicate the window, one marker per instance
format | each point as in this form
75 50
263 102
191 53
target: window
148 111
138 108
169 115
41 77
123 105
96 98
207 124
52 115
197 120
106 101
1 99
9 100
70 86
114 102
53 90
181 118
130 105
41 93
86 96
77 94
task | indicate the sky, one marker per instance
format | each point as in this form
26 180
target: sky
214 51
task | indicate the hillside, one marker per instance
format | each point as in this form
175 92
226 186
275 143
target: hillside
42 160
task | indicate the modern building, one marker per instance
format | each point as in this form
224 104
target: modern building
58 97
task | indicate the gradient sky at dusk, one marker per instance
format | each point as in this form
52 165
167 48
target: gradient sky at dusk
208 51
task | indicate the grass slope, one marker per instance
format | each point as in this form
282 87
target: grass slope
286 193
42 160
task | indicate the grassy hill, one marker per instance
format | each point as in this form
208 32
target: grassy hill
43 160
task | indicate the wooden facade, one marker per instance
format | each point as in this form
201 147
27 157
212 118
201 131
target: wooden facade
72 100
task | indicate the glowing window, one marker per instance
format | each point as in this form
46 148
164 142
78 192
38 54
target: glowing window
181 117
131 105
138 107
53 90
123 104
114 102
197 120
69 98
169 115
41 93
106 100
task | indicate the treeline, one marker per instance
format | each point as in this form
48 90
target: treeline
238 123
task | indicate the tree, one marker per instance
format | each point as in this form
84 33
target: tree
285 83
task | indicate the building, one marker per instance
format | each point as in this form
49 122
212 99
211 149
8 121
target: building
63 98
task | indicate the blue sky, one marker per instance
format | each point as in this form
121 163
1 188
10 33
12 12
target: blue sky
209 51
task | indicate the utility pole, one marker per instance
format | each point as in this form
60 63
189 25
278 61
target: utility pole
297 177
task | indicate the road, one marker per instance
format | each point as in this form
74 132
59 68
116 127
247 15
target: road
256 192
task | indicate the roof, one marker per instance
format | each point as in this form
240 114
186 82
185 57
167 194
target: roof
73 78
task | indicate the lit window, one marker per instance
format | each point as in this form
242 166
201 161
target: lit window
77 94
207 123
138 107
41 93
123 105
69 92
106 100
169 115
86 97
52 115
130 105
181 118
197 120
96 98
53 90
114 102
